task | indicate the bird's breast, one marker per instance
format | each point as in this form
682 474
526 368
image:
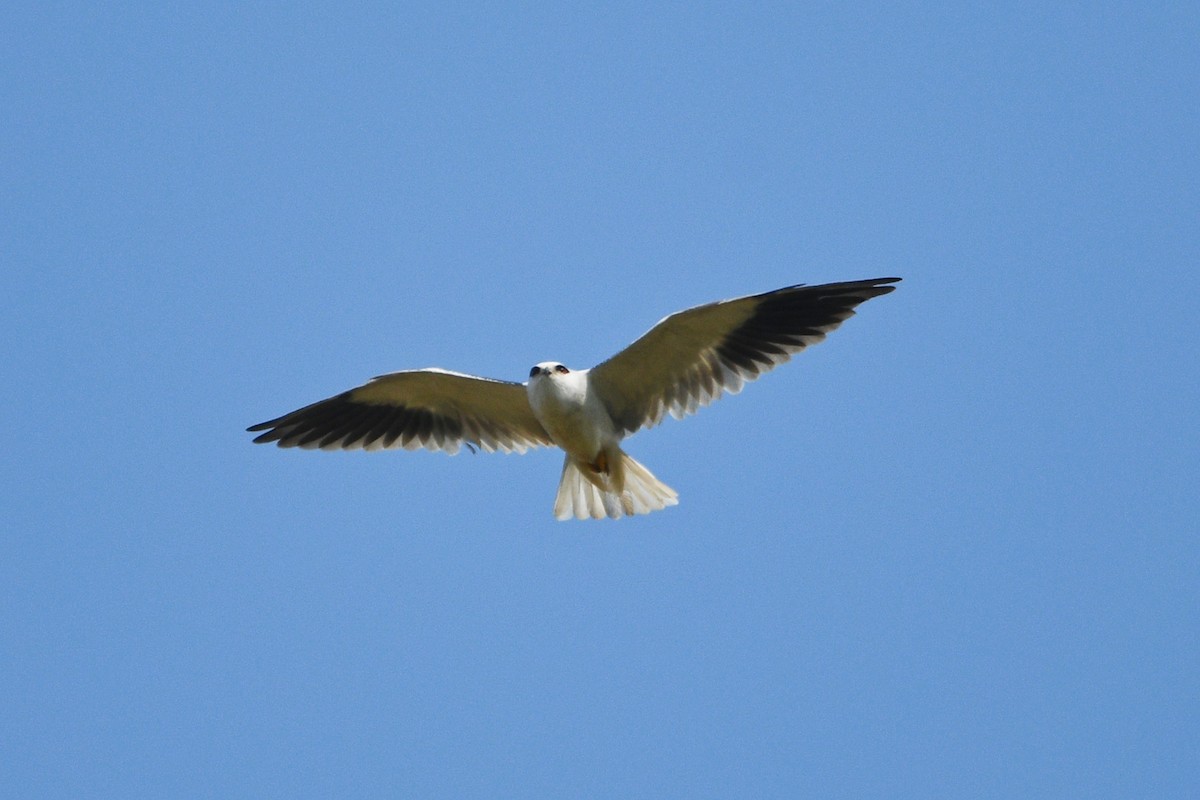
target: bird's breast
575 420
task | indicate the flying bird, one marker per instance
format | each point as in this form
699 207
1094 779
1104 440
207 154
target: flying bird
686 361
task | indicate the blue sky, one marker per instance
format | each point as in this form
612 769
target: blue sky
950 552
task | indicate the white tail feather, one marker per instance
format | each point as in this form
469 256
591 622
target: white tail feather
628 489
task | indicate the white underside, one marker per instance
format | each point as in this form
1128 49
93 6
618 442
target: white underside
598 479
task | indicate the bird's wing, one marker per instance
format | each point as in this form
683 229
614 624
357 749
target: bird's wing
691 358
429 408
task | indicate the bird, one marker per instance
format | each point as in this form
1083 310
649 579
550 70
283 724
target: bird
685 362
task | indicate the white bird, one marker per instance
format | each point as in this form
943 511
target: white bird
683 363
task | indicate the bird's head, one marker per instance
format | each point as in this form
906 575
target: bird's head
550 369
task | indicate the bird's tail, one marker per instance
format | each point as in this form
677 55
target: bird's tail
619 486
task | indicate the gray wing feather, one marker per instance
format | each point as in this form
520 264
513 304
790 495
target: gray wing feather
691 358
429 408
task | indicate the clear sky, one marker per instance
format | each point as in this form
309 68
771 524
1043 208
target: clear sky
951 552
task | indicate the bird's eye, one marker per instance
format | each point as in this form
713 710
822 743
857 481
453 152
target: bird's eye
533 372
561 370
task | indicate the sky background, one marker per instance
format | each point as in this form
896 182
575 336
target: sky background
951 552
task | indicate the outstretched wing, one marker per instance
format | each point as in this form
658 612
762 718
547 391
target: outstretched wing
429 408
691 358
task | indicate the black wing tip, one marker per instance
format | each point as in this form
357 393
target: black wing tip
881 286
852 291
866 283
877 284
274 430
298 415
272 433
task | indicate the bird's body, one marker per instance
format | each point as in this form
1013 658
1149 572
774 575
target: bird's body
599 478
683 363
573 415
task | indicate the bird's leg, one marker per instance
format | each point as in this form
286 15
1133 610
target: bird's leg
600 465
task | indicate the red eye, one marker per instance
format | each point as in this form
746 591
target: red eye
561 370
